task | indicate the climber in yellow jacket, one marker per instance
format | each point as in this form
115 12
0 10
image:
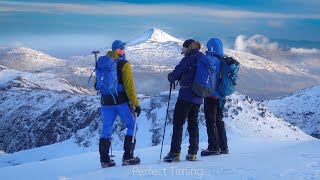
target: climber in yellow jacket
124 104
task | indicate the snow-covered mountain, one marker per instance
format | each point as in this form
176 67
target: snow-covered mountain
27 59
154 50
301 109
154 35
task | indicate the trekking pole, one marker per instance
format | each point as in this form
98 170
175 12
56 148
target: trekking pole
134 132
165 122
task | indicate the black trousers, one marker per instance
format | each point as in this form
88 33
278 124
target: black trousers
182 111
217 138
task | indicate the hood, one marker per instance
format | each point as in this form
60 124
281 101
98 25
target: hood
215 46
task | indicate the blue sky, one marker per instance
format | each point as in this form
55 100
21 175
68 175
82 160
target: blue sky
75 27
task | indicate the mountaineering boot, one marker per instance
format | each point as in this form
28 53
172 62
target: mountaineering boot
130 161
110 164
191 157
104 145
128 158
208 152
224 151
172 157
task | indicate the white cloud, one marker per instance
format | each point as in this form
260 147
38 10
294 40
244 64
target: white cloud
113 8
304 51
255 42
240 43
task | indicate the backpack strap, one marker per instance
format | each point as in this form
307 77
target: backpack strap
120 64
220 59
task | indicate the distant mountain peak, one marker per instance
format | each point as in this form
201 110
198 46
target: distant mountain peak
154 34
22 58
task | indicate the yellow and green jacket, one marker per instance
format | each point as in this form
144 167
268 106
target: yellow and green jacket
126 78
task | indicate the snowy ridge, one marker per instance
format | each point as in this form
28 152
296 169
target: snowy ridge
301 109
28 59
10 78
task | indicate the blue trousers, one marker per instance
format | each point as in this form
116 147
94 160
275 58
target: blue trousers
109 115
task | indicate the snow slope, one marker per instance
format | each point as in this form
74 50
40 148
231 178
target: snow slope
301 109
249 159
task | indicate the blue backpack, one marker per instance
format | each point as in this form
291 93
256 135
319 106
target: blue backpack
106 76
228 75
204 81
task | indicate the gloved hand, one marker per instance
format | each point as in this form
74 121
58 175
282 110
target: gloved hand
169 78
137 110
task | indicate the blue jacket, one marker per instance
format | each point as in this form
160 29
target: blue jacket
185 72
215 48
